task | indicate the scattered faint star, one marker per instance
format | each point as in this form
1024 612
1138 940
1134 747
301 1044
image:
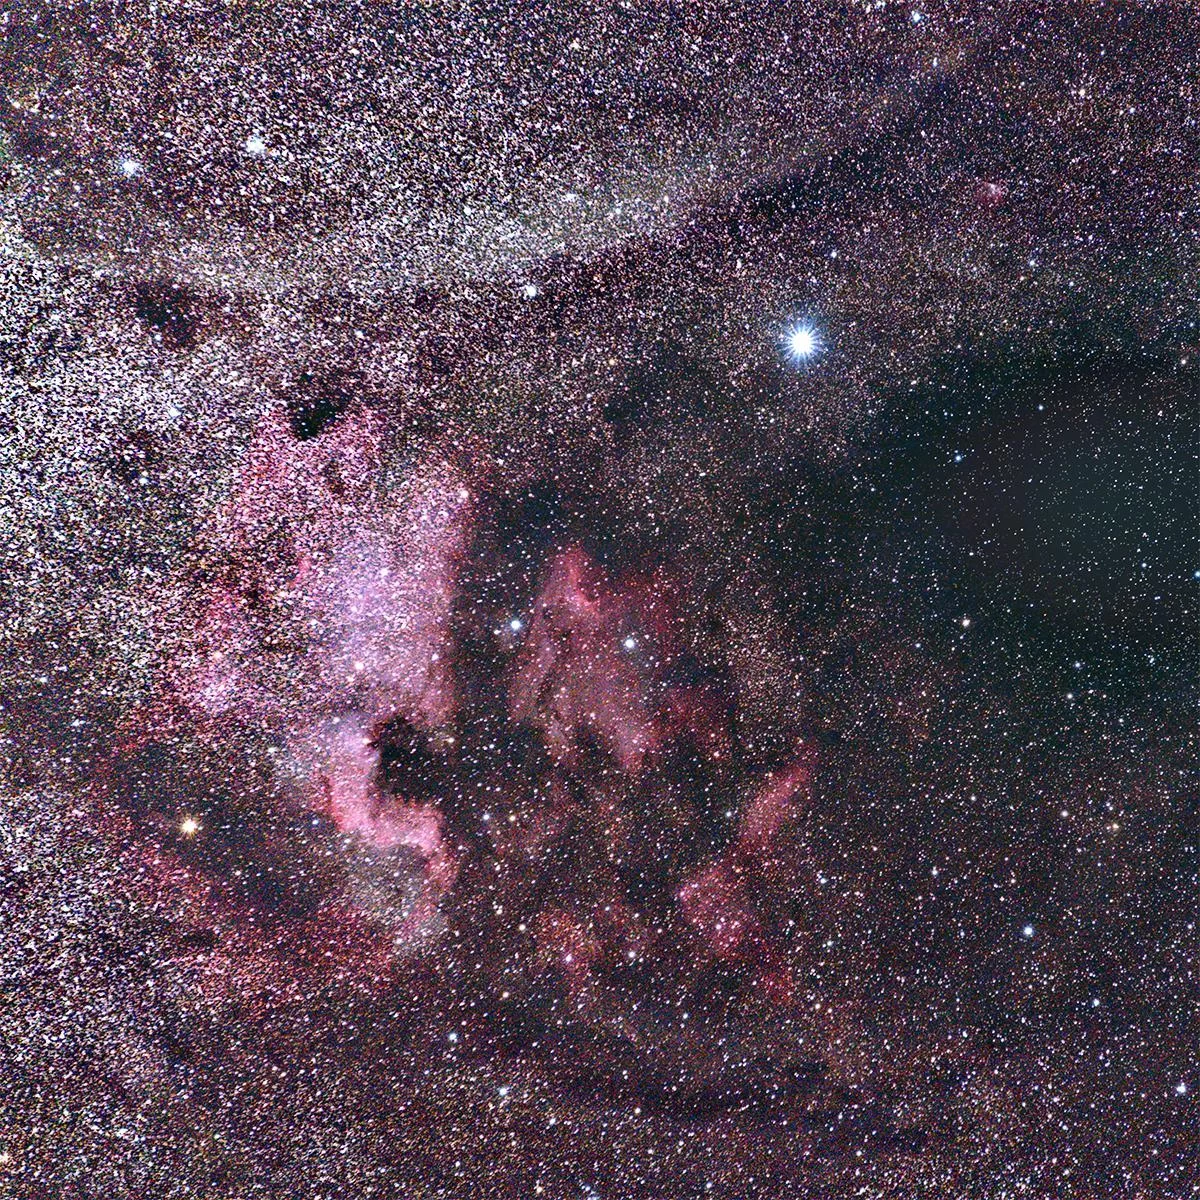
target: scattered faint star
331 339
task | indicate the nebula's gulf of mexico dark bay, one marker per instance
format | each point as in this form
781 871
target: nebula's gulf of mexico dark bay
599 600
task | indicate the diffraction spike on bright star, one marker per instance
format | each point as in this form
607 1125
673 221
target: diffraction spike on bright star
801 342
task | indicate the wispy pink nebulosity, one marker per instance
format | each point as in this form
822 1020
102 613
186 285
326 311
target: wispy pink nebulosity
327 614
990 193
344 760
717 900
217 681
772 807
243 968
716 903
574 680
336 582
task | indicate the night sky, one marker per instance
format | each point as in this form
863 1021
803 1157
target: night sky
599 601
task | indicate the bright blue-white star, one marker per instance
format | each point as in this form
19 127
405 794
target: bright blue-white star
801 342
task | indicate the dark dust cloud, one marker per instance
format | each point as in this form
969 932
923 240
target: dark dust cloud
599 600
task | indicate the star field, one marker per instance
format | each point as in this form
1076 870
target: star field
599 601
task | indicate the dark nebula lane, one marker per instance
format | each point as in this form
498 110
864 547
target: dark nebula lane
599 601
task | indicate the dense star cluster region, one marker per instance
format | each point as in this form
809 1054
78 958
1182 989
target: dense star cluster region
599 601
